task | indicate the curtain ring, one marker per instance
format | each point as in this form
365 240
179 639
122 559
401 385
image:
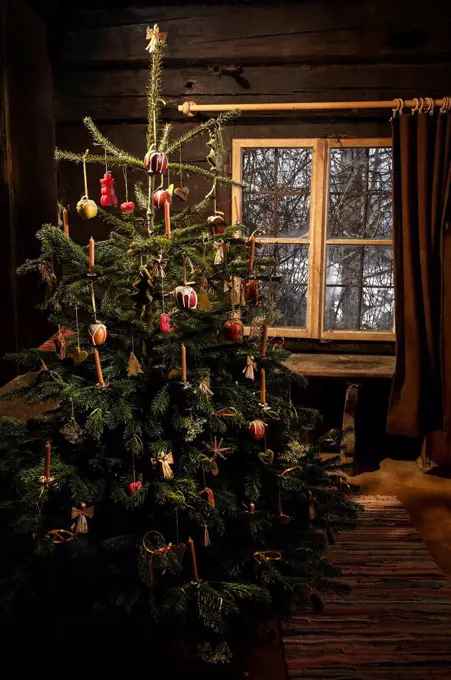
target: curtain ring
430 105
396 108
417 104
446 105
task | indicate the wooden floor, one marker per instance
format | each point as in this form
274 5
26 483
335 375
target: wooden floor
395 624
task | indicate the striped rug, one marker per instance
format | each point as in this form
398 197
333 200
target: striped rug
396 622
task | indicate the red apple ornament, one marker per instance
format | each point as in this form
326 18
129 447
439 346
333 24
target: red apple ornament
128 207
162 196
216 224
257 429
185 297
135 486
233 330
156 162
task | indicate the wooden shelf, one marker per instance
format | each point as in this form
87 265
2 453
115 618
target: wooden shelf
342 365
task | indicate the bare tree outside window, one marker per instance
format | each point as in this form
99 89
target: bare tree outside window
359 278
323 210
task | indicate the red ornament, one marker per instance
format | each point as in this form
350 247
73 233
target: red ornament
108 194
164 323
160 197
98 333
128 206
156 162
252 291
185 297
233 330
135 486
257 429
216 224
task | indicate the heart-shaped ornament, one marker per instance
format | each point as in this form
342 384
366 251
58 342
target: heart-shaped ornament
266 457
79 355
135 486
182 192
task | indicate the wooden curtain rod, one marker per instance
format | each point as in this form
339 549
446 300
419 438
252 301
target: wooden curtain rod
189 108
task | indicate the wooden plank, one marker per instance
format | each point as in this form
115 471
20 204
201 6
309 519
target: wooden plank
308 32
309 83
342 366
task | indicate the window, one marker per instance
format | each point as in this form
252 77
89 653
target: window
323 210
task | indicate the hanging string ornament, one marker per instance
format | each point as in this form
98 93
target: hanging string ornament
216 223
127 206
158 271
134 368
257 429
60 344
108 196
181 191
162 196
210 497
185 297
98 333
165 460
155 162
205 542
86 207
80 525
249 369
252 518
72 430
205 387
133 487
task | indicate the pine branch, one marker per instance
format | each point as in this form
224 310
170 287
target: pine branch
222 119
93 158
165 137
154 101
196 170
107 145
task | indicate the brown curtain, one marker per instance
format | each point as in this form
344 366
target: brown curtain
420 399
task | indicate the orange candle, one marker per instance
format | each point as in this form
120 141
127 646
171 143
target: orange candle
193 559
48 455
66 223
100 379
91 254
167 218
264 339
252 252
183 353
263 386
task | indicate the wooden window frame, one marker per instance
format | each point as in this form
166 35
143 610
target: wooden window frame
317 239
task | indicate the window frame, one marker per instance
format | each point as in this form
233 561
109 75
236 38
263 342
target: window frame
317 239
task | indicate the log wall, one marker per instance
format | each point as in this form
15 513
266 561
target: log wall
323 51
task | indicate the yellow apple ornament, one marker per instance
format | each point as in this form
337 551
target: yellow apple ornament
86 207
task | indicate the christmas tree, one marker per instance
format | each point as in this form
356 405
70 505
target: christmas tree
172 477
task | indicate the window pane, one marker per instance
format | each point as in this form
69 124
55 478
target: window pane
359 288
360 193
276 198
284 282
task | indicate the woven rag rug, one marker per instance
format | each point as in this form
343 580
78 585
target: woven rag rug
396 621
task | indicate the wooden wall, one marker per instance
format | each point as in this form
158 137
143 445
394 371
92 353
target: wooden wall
27 170
326 50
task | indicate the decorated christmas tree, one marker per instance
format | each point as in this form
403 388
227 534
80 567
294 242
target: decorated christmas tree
172 478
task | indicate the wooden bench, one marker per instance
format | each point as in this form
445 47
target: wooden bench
350 367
